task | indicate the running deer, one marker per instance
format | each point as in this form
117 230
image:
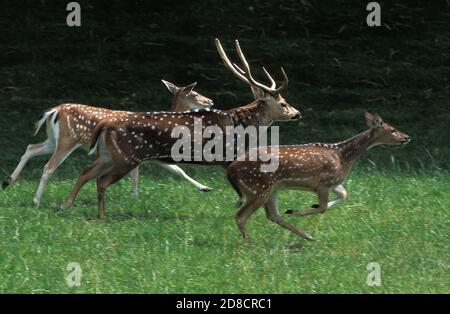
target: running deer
320 168
138 137
70 126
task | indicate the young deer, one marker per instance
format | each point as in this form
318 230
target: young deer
124 144
320 168
70 126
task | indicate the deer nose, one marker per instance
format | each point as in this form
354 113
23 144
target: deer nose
406 139
297 116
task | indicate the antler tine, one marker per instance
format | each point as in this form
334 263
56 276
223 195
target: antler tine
285 82
238 72
272 81
283 86
246 76
270 90
239 69
247 68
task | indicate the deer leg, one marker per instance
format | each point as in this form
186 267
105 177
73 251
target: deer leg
104 182
33 150
341 195
273 214
180 172
98 168
245 212
323 205
238 191
135 181
102 165
58 157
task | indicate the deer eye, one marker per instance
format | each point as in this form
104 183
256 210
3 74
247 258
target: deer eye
393 131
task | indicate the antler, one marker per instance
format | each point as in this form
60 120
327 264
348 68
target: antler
272 81
238 72
246 75
270 90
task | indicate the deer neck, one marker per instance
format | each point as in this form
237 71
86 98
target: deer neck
251 114
175 105
354 147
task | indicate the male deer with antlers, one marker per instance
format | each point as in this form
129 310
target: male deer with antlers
70 126
124 144
320 168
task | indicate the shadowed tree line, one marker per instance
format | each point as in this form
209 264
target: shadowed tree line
337 65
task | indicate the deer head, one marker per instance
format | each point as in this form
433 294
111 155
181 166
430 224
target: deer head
269 96
185 98
383 133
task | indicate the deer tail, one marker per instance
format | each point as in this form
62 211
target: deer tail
96 136
45 117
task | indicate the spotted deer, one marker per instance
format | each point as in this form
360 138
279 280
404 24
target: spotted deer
139 137
320 168
70 126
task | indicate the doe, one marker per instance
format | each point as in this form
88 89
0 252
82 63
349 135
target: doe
320 168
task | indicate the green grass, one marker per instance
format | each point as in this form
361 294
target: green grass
176 239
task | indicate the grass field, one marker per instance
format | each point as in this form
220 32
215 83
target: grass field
177 239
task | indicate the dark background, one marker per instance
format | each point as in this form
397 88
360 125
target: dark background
337 65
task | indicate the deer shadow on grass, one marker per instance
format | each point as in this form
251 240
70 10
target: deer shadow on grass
237 244
159 215
89 212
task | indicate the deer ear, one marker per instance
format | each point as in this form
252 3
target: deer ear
369 119
258 93
373 120
171 87
188 89
377 121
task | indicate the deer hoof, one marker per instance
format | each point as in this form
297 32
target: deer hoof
289 211
206 189
6 182
309 238
315 205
